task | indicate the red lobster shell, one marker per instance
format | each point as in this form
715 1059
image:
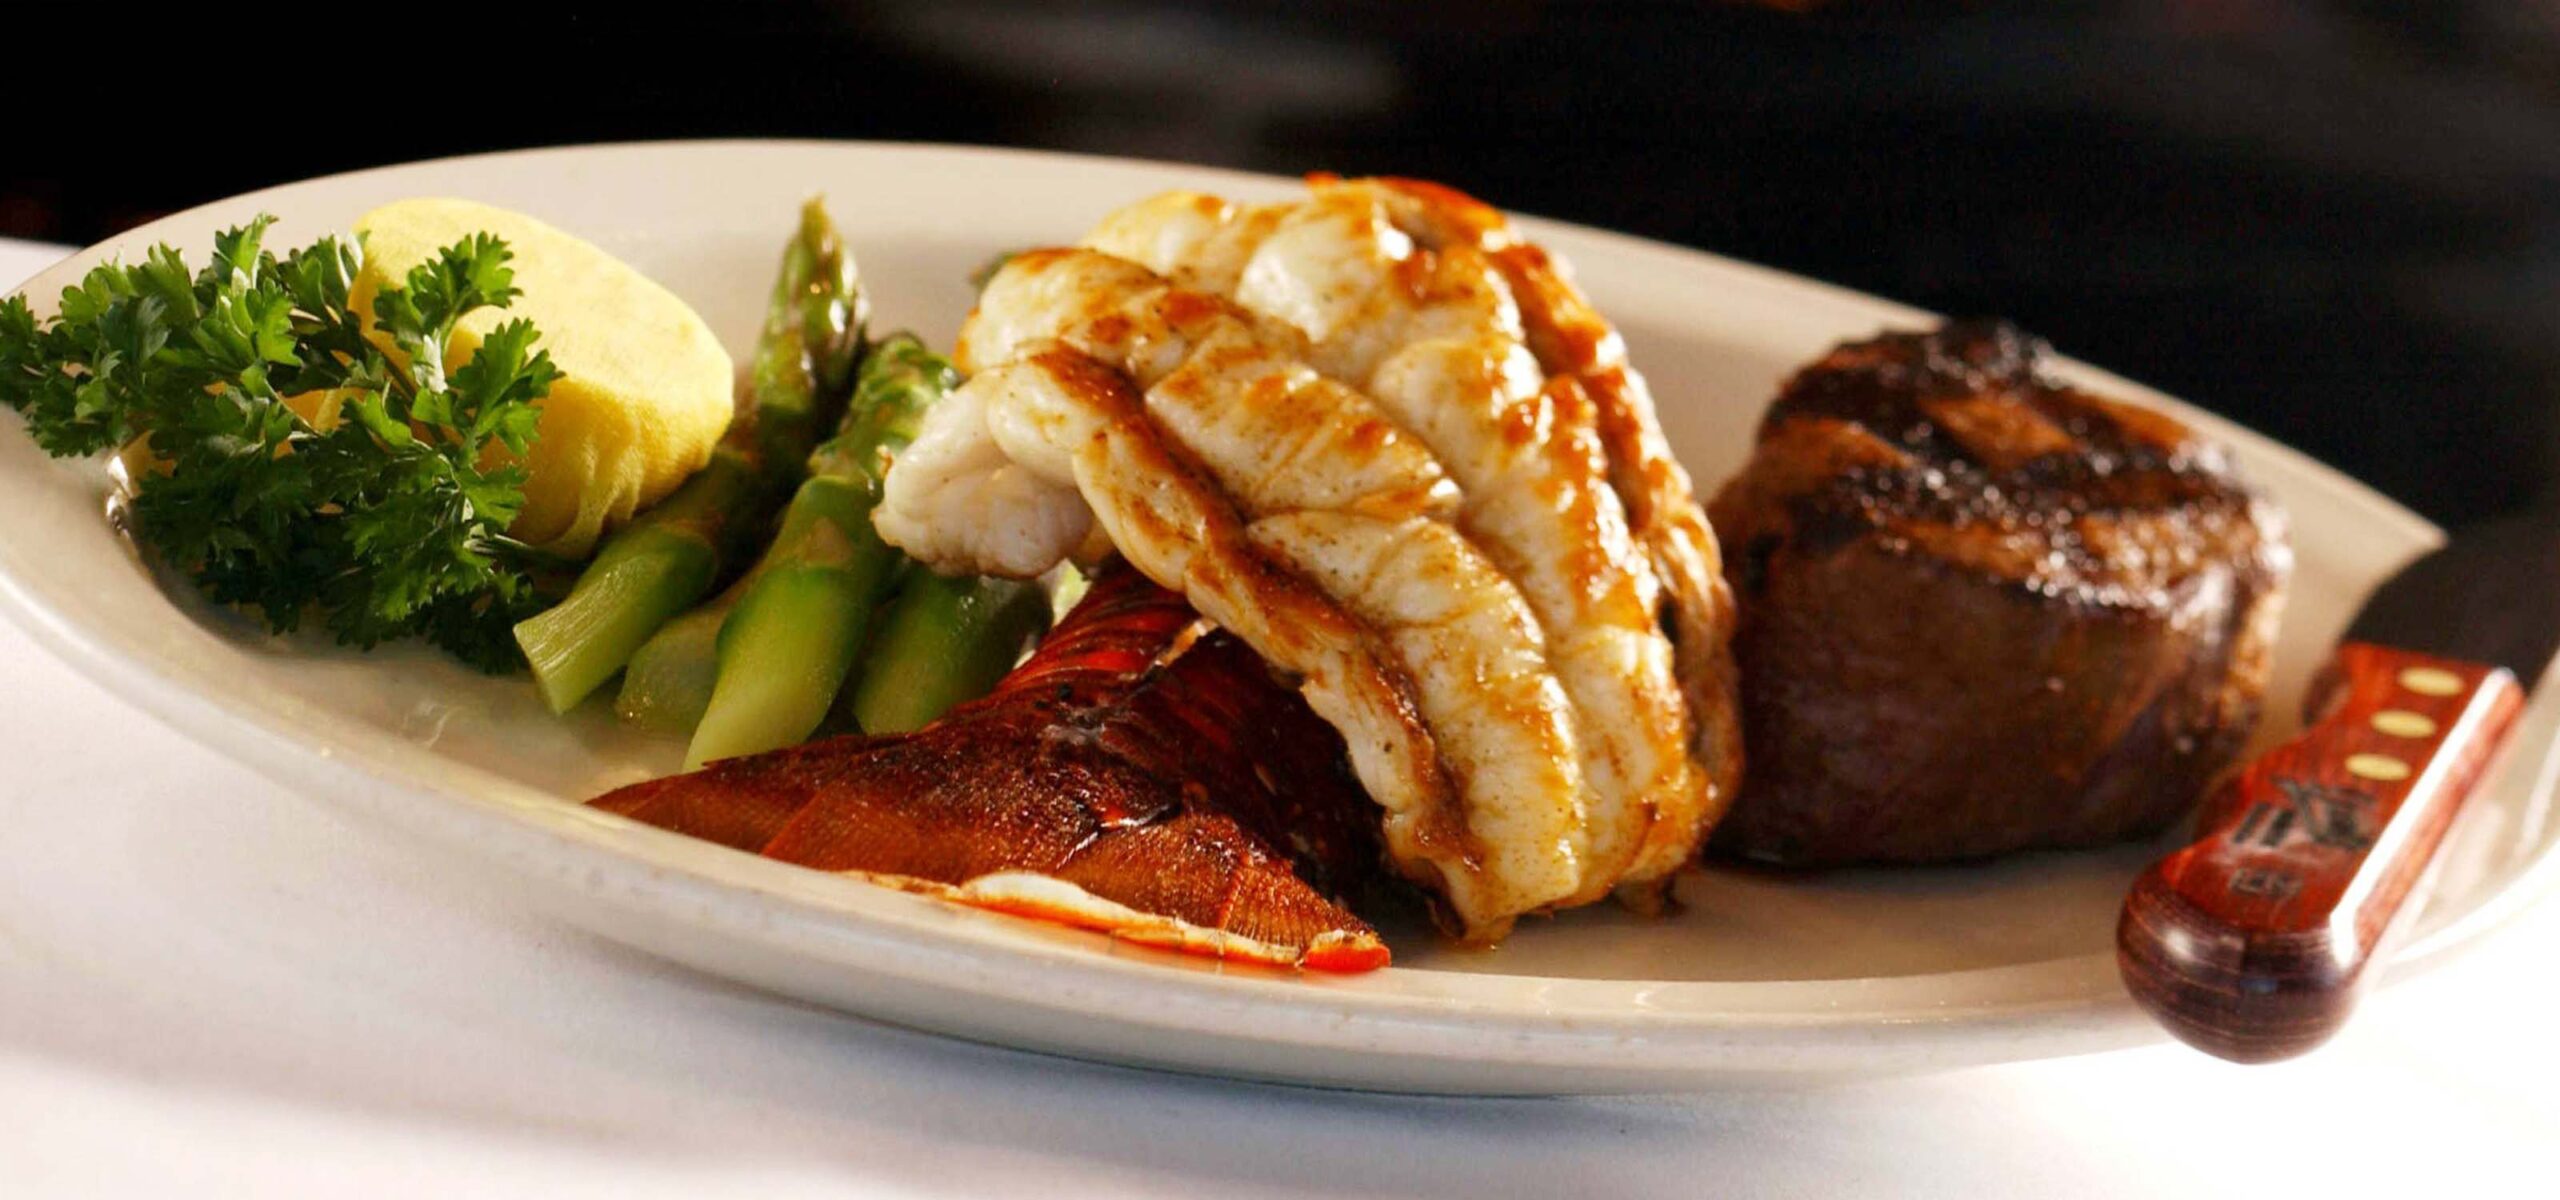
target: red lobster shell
1137 775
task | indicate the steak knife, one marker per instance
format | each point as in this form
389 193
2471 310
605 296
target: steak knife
2254 941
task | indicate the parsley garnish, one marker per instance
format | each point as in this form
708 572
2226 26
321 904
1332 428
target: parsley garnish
383 523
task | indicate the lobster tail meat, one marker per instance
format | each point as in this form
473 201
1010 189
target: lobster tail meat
1381 437
1140 774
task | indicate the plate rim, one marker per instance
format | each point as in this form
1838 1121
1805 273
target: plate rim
2085 1013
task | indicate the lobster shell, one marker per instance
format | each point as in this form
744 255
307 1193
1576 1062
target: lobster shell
1140 774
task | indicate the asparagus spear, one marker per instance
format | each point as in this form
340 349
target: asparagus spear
673 553
945 639
786 648
668 684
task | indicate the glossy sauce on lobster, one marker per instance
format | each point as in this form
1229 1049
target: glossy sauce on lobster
1140 774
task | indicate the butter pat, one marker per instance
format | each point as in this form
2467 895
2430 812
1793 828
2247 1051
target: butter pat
645 391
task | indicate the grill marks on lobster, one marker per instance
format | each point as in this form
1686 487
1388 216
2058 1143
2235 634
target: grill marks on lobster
1385 441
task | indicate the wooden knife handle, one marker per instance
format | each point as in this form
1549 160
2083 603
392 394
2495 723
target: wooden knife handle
2252 942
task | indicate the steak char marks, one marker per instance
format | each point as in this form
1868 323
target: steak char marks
1983 611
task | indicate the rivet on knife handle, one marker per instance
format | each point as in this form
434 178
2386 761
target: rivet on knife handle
2252 943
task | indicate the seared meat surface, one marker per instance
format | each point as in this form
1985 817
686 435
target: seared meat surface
1982 611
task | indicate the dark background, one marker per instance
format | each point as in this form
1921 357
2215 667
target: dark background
2337 222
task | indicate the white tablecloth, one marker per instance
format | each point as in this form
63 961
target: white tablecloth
210 989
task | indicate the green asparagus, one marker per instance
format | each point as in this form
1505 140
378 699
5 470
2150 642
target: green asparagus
676 551
668 684
945 639
800 619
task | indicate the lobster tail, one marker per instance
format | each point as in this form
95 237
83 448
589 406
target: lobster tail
1139 774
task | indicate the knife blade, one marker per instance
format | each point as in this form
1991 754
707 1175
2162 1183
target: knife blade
2254 941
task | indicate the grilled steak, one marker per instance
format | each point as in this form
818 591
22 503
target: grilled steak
1982 611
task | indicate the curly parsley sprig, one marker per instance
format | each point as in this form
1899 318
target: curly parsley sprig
385 521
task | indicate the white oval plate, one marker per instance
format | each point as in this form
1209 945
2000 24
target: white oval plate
1763 977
